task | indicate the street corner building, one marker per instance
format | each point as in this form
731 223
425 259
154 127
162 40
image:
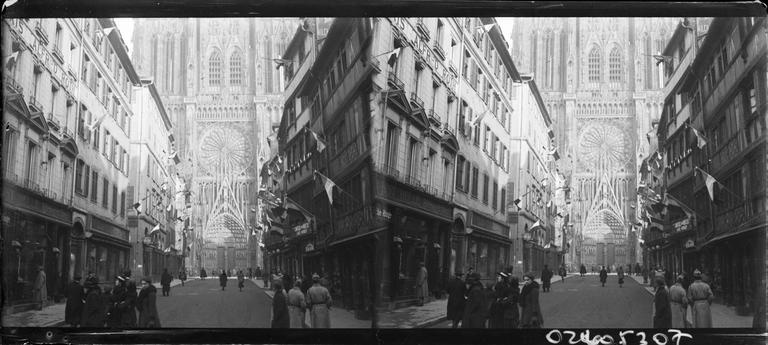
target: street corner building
395 150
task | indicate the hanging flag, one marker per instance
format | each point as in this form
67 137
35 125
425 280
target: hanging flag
138 207
393 56
535 225
156 228
485 28
476 121
328 184
93 126
289 203
108 31
710 182
11 58
671 200
169 208
320 144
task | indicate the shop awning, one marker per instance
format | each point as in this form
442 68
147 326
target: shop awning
731 234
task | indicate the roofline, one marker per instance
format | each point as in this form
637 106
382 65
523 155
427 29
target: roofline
120 49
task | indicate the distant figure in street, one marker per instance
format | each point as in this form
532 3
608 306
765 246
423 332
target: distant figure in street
258 272
678 303
280 317
182 276
582 270
603 275
203 274
422 288
529 300
662 317
700 297
546 279
562 273
93 309
40 288
456 291
297 305
73 312
165 282
645 275
620 274
223 279
146 303
319 301
475 306
250 273
240 280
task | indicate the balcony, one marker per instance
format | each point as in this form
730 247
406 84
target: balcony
416 101
439 51
390 170
414 181
68 133
448 130
12 85
34 105
40 32
434 119
53 122
394 82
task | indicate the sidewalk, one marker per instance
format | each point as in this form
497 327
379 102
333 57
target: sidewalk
50 316
722 316
429 314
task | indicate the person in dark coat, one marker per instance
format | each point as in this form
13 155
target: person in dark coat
182 276
223 279
165 282
128 304
546 279
583 270
456 292
147 305
117 303
603 275
203 274
93 309
240 280
73 312
280 317
562 272
501 301
662 316
529 300
475 308
511 311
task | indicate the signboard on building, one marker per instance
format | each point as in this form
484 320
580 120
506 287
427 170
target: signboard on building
683 225
690 243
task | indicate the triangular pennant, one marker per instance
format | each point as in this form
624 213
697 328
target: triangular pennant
710 182
393 56
320 144
156 228
328 184
169 208
108 31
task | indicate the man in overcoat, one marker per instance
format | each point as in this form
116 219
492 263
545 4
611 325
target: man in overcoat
319 301
297 305
662 317
546 279
73 312
475 308
456 291
529 301
165 282
40 288
678 302
700 296
146 303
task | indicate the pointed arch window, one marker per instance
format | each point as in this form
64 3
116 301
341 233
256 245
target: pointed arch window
214 68
614 65
594 65
236 68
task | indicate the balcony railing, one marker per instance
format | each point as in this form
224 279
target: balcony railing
391 171
416 100
433 117
448 129
34 105
394 81
13 85
53 121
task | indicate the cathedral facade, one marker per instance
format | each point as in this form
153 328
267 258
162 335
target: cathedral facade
602 87
221 88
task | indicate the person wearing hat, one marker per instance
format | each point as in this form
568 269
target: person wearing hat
93 308
511 310
620 274
223 279
40 288
603 275
128 304
146 303
529 301
165 282
662 316
678 302
700 297
280 316
456 291
583 270
297 305
562 272
319 301
73 312
422 288
546 279
475 307
500 298
118 303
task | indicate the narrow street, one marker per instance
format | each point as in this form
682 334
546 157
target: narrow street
583 303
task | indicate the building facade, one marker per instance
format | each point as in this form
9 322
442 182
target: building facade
601 86
222 92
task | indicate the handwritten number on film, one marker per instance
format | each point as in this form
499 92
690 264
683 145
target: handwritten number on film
569 337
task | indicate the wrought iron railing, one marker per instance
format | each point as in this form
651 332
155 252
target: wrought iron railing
416 100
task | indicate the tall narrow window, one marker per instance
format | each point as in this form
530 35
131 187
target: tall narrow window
114 198
474 181
10 140
614 66
392 142
236 68
459 172
214 68
594 65
33 162
485 188
413 159
122 204
105 195
94 187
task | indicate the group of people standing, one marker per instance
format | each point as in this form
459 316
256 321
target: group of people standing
670 305
289 309
502 305
89 306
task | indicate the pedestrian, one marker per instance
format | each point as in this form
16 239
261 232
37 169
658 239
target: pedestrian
645 275
40 288
73 312
319 301
203 274
475 306
306 283
511 311
422 288
182 276
700 297
93 308
603 275
662 317
583 270
250 273
146 303
240 280
165 282
456 291
129 308
297 305
620 274
117 303
223 279
546 279
498 292
563 273
529 301
678 303
280 317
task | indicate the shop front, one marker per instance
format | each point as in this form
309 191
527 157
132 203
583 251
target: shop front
488 246
107 249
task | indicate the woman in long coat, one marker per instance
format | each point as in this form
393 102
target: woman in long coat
40 287
73 312
147 306
422 288
496 311
93 309
223 280
456 294
662 316
529 300
583 270
511 311
475 308
678 303
603 276
280 317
